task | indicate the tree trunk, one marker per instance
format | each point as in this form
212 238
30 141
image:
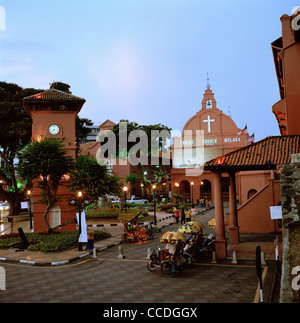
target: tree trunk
48 209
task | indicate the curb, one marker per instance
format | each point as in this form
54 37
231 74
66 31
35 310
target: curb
57 263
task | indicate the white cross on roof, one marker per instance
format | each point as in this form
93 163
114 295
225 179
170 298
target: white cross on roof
209 121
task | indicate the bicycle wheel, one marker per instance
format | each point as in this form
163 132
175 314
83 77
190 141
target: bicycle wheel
188 260
168 269
153 265
126 237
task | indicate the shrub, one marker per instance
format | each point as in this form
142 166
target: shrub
46 242
102 213
166 207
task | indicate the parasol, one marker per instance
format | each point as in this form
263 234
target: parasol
185 229
196 225
178 236
212 223
166 237
191 227
172 236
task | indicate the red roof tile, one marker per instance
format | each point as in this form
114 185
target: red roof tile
269 153
53 95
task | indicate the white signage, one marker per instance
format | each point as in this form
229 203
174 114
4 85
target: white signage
276 212
232 139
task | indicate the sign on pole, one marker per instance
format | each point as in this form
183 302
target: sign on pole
276 212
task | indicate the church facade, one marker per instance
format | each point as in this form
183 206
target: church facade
210 133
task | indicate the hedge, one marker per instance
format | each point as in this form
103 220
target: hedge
46 242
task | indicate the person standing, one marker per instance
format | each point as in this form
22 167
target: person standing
187 216
177 215
182 216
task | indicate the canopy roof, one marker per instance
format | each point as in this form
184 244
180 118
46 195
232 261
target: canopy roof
269 153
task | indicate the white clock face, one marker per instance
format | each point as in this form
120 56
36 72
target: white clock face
54 129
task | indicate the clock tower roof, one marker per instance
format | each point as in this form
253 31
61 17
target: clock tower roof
53 100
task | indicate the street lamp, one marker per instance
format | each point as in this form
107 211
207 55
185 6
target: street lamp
80 204
192 184
125 189
30 213
154 203
79 195
177 186
142 187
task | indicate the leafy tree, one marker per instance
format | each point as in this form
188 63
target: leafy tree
46 162
82 129
15 133
93 179
132 179
61 87
155 142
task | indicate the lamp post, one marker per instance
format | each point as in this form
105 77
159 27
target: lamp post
192 184
142 187
177 186
79 195
79 203
125 189
30 213
154 203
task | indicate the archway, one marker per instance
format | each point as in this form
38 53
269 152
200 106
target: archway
54 217
184 189
205 190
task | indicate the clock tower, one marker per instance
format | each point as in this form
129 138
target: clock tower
53 115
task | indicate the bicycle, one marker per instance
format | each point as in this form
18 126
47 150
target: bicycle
179 261
155 259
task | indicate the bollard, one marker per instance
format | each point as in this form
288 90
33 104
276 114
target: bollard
148 253
276 249
262 255
234 259
94 253
121 255
214 260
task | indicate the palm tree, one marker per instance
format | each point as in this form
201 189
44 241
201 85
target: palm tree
160 175
132 179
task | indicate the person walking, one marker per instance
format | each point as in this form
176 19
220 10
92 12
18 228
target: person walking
193 214
177 215
182 216
187 216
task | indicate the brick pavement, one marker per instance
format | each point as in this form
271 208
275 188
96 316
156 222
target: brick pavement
109 280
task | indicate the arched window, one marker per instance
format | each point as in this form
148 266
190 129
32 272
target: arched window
55 217
251 193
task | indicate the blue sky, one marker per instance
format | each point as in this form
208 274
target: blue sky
147 60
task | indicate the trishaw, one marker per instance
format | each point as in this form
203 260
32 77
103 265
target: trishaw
133 232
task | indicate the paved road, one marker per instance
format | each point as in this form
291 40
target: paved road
110 280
